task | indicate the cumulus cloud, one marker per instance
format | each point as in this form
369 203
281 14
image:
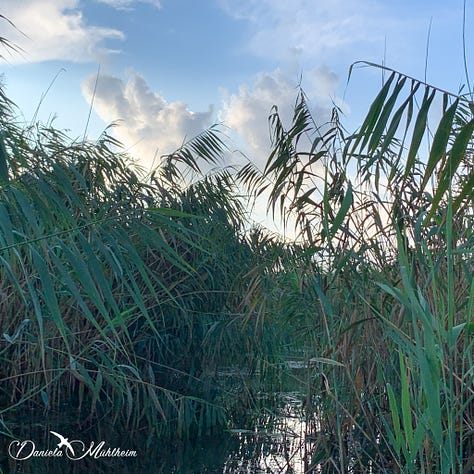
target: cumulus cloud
149 125
53 30
128 4
247 111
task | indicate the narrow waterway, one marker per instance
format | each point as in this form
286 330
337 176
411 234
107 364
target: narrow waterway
278 442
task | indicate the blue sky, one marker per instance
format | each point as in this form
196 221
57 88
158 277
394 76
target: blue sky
170 68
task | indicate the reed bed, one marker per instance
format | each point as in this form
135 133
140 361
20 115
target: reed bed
120 292
386 297
124 296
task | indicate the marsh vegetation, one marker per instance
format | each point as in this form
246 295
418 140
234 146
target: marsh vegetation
147 302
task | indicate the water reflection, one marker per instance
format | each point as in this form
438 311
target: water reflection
277 443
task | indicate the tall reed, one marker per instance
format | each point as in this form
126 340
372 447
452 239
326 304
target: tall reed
120 292
389 232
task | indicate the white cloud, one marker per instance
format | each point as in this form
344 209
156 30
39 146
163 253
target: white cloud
53 30
149 125
247 112
128 4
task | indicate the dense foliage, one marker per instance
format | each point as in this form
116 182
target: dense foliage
390 229
121 295
125 296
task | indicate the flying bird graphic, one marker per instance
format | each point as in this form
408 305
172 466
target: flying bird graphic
63 442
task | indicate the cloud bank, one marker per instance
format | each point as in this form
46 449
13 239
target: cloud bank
246 112
53 30
149 125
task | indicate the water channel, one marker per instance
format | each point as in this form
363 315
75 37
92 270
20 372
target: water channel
278 443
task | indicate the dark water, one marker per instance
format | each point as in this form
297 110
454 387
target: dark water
278 442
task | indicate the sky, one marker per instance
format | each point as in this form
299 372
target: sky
168 69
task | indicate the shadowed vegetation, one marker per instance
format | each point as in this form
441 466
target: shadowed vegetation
149 303
389 227
121 295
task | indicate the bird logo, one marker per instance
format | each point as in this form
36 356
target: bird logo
63 442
